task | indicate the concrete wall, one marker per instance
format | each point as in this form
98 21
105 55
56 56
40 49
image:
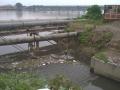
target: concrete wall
109 70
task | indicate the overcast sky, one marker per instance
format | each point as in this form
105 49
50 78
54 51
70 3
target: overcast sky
60 2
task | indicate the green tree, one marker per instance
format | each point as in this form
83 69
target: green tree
94 12
19 6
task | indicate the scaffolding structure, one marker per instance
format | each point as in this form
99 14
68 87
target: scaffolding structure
112 12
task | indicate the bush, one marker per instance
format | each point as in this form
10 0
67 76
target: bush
104 38
61 83
85 36
97 39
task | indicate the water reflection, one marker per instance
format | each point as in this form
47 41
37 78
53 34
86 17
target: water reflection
110 85
79 74
22 15
19 14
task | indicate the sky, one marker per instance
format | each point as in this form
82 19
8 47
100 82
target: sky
60 2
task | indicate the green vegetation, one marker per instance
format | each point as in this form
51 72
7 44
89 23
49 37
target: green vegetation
61 83
101 56
21 81
95 39
85 36
93 13
91 19
91 38
80 25
28 81
102 40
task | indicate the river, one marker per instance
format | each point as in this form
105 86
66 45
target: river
28 15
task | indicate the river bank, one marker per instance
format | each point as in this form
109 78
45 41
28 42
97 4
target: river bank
69 57
53 60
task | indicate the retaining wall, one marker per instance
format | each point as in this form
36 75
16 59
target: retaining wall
110 70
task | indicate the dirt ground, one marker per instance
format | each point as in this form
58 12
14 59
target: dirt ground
113 27
113 51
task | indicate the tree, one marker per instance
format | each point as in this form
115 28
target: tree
94 12
19 6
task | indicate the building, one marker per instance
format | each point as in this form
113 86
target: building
7 7
112 12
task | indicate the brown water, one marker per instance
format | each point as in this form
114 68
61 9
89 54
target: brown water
42 15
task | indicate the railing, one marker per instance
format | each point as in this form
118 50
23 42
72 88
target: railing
112 16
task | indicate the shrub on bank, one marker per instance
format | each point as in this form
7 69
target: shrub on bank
61 83
97 39
85 36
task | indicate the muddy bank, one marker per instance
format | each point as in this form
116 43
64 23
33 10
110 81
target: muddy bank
43 56
66 50
65 59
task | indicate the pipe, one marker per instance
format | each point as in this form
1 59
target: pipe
30 23
22 31
29 39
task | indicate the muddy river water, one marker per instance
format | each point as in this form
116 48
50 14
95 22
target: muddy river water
76 71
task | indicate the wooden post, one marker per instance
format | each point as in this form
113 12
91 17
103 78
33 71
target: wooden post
35 44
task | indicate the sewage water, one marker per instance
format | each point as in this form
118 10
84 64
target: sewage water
79 73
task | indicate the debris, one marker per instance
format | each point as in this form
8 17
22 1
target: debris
74 61
43 64
44 89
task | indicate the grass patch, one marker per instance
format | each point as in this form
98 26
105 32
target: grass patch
28 81
21 81
101 56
